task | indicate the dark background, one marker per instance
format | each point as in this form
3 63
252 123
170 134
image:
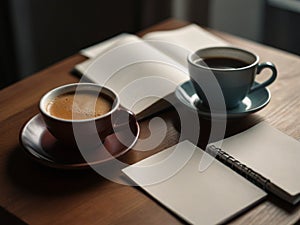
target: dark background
37 33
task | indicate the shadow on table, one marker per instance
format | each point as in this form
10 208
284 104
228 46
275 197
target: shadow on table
289 208
34 178
232 127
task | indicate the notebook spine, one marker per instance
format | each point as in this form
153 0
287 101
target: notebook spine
240 168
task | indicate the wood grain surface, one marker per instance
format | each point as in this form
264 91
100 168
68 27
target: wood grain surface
33 194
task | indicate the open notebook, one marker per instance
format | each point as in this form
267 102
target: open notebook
144 70
256 160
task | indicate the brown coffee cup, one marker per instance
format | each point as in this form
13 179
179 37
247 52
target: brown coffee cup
89 125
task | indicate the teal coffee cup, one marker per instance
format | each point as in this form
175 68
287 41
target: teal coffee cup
226 75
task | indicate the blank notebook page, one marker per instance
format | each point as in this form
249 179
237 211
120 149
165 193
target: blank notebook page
270 153
209 197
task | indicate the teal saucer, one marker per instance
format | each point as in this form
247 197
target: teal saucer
253 102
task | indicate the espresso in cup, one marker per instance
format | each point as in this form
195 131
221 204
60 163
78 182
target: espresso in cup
79 105
83 114
223 76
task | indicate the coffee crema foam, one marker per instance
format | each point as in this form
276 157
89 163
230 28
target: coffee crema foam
79 105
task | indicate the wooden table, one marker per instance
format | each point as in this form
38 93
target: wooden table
34 194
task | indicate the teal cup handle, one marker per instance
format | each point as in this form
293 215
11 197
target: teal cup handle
260 67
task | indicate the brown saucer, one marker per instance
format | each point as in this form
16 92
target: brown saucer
42 147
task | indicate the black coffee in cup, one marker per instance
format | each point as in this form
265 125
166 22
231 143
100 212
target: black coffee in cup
222 63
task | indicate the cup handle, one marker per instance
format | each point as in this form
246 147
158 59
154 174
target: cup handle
260 67
123 119
124 126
